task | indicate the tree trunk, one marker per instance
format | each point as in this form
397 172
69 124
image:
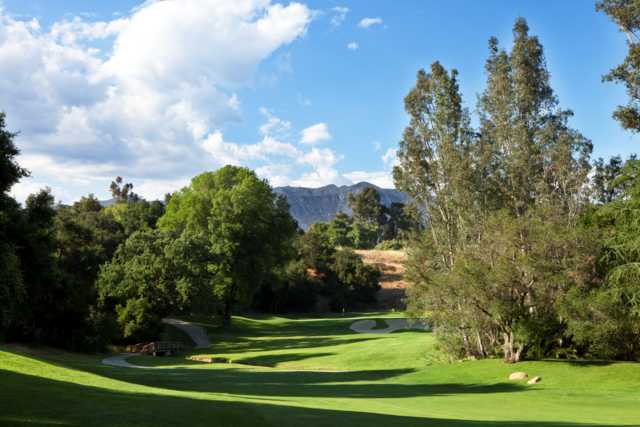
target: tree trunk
512 350
482 352
226 314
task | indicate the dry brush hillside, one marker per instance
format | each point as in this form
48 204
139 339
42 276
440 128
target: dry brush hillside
391 263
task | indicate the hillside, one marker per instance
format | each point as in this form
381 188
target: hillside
392 283
309 205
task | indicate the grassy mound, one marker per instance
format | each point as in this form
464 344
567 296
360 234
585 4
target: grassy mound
311 372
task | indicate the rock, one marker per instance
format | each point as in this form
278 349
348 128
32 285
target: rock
208 359
201 358
534 380
518 376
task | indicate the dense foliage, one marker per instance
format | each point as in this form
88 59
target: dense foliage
626 14
247 228
501 204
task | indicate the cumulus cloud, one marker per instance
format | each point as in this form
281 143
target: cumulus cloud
315 134
369 22
322 162
151 104
339 15
352 46
229 153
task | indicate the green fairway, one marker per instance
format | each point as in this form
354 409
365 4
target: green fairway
311 372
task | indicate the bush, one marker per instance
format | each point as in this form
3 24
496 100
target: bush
390 245
356 282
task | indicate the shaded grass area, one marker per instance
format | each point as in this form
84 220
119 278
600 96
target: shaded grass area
381 380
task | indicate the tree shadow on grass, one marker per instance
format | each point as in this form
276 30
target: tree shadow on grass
27 400
355 384
582 363
239 344
272 360
286 326
363 384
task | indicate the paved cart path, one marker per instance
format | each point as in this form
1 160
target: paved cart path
197 333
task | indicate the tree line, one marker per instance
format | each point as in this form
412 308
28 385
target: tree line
85 275
529 250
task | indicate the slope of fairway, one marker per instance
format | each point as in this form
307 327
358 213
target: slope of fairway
311 372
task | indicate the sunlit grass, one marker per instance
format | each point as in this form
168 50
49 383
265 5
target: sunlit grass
297 371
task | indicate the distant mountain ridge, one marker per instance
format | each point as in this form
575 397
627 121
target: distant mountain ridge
310 205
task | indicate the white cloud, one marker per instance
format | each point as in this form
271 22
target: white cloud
277 173
322 162
147 96
382 179
78 30
274 125
315 134
352 46
369 22
230 153
390 158
377 146
339 15
150 102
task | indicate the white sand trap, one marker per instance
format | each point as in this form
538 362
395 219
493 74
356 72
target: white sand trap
367 326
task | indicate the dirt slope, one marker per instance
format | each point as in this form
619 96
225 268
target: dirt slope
391 263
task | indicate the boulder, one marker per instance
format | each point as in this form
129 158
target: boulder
534 380
515 376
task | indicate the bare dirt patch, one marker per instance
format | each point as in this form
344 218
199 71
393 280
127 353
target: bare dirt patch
391 264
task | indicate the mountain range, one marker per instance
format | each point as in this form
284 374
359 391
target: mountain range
309 205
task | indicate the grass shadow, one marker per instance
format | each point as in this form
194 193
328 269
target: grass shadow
27 400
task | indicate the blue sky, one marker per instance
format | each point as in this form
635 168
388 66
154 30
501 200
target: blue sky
304 92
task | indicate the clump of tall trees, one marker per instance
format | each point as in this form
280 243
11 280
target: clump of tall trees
502 204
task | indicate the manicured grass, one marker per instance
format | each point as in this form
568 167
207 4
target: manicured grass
312 372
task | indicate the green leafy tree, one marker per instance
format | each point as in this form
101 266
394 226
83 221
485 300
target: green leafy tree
247 227
151 275
366 205
363 235
626 14
122 192
604 314
356 282
606 186
338 230
316 248
136 214
47 296
12 291
525 168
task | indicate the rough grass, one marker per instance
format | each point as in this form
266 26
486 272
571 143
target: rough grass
313 372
